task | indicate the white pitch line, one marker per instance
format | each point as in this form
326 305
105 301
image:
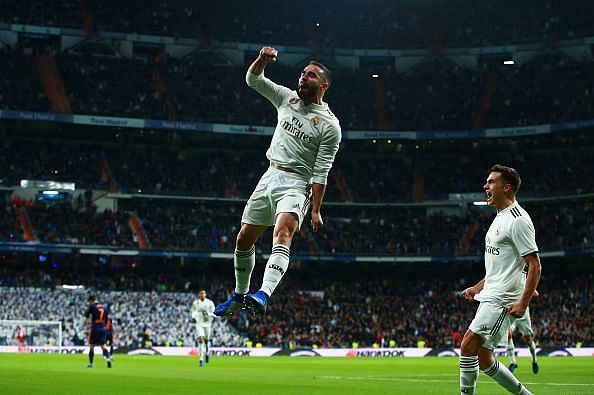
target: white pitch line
447 381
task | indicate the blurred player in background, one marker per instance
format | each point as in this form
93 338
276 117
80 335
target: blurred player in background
109 334
301 153
505 292
97 315
202 314
20 336
524 326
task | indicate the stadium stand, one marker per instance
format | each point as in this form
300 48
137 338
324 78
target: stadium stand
393 231
141 319
171 192
400 24
540 91
370 173
325 309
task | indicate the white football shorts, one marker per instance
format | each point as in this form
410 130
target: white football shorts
204 331
523 325
492 323
277 192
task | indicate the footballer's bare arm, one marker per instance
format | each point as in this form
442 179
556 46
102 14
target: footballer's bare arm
318 191
469 292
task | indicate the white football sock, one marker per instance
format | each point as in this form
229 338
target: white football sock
201 351
277 265
532 348
469 371
244 262
506 379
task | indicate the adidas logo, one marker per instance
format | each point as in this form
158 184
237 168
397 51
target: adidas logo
296 206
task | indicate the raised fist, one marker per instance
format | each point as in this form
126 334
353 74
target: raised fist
268 54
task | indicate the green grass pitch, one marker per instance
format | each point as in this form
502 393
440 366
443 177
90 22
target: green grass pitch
67 374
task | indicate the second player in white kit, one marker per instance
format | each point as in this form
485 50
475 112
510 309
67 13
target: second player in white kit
524 326
202 315
506 290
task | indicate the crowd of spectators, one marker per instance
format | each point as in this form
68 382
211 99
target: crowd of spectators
360 174
542 96
416 231
434 95
51 160
20 85
95 83
163 171
327 309
71 222
381 24
10 228
369 173
41 13
205 226
429 309
140 319
212 226
466 174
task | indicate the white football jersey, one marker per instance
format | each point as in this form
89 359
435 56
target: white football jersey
509 239
203 311
306 138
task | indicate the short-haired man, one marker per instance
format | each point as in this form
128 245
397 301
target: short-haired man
301 153
97 315
202 313
505 292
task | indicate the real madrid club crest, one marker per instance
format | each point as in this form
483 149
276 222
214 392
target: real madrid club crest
294 100
315 121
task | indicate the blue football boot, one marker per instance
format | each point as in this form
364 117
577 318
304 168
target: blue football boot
257 302
231 306
534 367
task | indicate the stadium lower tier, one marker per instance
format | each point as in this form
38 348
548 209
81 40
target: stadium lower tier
331 305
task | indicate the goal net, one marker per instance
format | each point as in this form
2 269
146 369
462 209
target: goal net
28 333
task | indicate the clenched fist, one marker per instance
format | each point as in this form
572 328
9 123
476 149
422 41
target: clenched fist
268 54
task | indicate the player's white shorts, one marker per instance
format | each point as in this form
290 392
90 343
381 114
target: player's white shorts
523 325
204 331
277 192
492 323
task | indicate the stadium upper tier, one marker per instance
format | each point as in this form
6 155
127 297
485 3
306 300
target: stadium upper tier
330 24
436 94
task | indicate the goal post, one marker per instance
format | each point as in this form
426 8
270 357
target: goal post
35 331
